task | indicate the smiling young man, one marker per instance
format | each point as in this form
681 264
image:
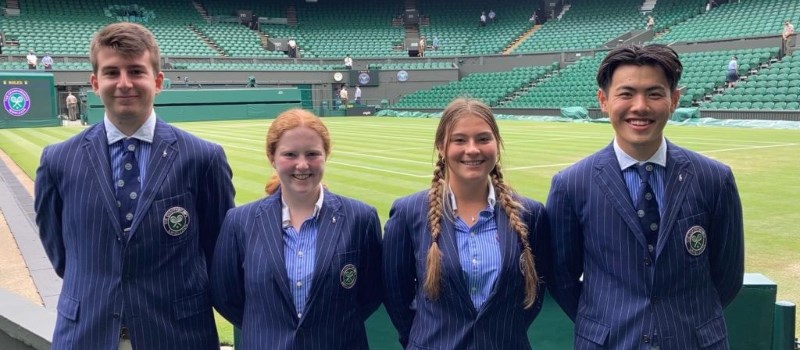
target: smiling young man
647 236
129 211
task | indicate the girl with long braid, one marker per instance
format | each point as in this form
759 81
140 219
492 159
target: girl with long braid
464 262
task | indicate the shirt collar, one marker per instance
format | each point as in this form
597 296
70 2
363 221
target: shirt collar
145 132
625 161
286 217
491 198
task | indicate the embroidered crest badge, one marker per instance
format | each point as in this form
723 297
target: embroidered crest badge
176 221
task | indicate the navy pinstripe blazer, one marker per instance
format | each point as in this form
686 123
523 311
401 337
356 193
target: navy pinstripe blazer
627 300
154 282
250 285
452 322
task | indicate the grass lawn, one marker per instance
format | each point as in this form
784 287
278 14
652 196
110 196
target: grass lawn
380 159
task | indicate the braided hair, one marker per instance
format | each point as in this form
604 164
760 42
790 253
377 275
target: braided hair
458 108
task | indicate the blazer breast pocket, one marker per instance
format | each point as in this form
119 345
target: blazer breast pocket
177 218
346 274
692 233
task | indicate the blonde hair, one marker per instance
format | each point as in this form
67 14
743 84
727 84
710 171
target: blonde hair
457 109
290 119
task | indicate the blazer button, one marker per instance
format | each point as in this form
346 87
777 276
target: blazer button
115 315
647 261
646 339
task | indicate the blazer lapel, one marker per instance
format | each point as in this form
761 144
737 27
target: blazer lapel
270 227
676 184
609 178
451 266
162 154
95 147
329 231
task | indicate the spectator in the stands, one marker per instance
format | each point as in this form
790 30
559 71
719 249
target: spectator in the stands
348 62
710 4
788 30
292 48
733 72
32 60
47 61
534 18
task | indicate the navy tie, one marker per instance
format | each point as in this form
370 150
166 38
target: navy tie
647 207
128 185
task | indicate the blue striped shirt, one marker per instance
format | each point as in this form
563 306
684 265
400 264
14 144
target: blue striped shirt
299 251
478 251
632 180
144 133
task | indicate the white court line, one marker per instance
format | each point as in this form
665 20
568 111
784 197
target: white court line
723 140
539 166
396 149
228 125
747 148
369 136
545 139
244 148
382 157
382 170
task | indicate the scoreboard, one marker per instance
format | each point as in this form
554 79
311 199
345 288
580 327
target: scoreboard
28 100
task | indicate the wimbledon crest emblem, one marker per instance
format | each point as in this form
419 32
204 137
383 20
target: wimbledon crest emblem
348 276
176 221
16 102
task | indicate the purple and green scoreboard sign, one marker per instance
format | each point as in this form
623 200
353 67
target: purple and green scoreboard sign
29 100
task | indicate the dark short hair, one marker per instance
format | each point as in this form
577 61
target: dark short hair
656 55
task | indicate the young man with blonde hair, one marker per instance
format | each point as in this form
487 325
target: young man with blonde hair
129 211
